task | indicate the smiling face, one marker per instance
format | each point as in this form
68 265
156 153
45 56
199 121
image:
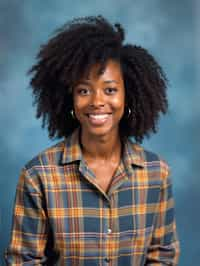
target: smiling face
99 100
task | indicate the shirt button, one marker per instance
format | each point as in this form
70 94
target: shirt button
109 231
107 260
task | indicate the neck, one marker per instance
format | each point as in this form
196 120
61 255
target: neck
102 148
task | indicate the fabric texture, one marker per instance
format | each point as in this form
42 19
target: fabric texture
62 216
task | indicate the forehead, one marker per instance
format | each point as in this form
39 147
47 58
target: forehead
110 71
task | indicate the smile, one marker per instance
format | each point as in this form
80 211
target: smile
98 119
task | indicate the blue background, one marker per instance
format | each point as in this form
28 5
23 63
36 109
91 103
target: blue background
169 30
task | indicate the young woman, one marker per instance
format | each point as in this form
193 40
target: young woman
97 197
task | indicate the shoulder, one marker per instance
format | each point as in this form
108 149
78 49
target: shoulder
34 174
151 161
50 156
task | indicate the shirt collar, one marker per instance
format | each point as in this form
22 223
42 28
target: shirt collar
132 153
72 150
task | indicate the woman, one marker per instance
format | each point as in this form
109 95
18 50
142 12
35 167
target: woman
97 197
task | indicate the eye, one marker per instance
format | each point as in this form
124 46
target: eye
83 91
110 90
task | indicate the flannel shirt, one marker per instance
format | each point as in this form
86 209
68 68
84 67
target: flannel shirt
62 217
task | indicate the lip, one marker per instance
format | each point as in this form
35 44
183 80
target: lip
94 120
98 113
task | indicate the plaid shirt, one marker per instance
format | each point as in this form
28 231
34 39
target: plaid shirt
62 216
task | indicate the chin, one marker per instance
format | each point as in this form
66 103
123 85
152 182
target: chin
100 132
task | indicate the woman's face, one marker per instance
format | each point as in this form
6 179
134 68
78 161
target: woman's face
99 100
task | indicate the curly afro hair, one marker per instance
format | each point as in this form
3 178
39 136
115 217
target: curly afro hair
77 46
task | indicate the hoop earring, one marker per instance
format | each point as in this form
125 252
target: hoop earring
129 112
72 113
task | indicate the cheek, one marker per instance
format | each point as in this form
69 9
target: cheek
119 104
80 106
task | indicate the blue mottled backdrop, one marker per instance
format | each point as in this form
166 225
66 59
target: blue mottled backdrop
169 29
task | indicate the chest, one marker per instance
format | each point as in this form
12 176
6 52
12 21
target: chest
104 174
80 216
104 178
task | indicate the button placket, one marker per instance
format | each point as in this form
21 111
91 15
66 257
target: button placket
106 231
109 234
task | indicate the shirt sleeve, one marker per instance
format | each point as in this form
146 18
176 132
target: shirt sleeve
29 228
164 248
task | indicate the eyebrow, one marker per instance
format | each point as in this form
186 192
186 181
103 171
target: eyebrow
111 81
87 82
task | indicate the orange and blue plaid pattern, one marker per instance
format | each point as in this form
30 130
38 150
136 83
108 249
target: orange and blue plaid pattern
62 216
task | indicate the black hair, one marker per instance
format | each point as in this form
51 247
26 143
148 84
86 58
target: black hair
77 46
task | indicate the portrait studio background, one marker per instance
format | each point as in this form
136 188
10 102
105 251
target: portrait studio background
168 29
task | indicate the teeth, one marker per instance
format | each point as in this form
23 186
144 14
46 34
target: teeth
100 116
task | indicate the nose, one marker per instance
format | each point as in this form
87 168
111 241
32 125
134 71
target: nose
97 99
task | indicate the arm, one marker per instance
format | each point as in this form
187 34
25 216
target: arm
29 229
164 248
